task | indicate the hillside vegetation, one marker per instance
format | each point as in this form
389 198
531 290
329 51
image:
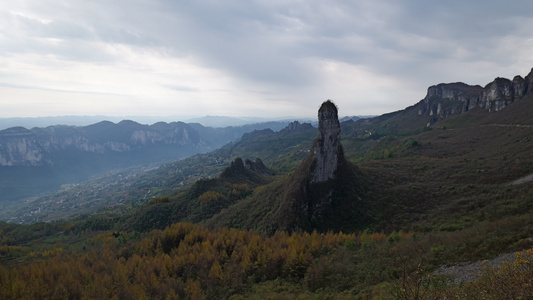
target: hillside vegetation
430 196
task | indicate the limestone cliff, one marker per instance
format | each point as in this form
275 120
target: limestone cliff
44 146
447 99
459 97
498 94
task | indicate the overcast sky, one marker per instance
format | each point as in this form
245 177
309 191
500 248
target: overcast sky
250 58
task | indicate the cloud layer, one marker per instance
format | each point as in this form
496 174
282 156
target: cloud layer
256 58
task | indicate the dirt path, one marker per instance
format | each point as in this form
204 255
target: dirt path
467 272
508 125
524 179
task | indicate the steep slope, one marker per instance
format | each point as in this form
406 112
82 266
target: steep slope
324 193
448 177
445 100
204 198
456 174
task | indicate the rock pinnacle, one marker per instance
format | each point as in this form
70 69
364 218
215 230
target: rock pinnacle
327 148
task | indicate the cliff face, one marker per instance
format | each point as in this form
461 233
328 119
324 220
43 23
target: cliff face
41 146
498 94
325 190
327 147
446 99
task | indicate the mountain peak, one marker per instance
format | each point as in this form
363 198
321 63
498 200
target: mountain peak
295 126
327 148
325 185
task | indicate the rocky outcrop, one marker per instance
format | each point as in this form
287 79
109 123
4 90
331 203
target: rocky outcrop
296 126
257 166
520 87
498 94
327 148
325 191
447 99
246 170
459 97
528 83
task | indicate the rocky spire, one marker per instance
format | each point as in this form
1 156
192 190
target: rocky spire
327 148
326 187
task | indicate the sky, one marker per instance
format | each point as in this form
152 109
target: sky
250 58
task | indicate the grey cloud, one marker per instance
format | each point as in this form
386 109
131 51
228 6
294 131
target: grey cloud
275 45
180 88
76 34
33 87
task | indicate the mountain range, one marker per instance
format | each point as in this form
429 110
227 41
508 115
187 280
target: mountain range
39 160
412 161
104 146
207 121
389 207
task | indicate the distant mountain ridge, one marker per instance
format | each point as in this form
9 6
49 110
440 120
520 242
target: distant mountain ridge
39 146
281 150
73 153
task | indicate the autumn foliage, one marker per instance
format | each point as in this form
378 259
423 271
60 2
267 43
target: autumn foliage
187 261
184 261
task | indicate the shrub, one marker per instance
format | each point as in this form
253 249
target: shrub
162 199
514 280
210 197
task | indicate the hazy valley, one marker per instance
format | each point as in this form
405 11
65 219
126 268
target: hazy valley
38 160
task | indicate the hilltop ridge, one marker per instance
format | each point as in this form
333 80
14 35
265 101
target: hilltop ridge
447 99
326 192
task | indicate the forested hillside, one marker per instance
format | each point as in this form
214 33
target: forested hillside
454 192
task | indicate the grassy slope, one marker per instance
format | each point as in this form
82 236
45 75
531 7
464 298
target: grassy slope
446 178
456 176
449 177
201 201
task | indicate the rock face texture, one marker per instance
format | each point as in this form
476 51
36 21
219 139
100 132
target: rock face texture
325 191
498 94
461 97
327 148
238 167
446 99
